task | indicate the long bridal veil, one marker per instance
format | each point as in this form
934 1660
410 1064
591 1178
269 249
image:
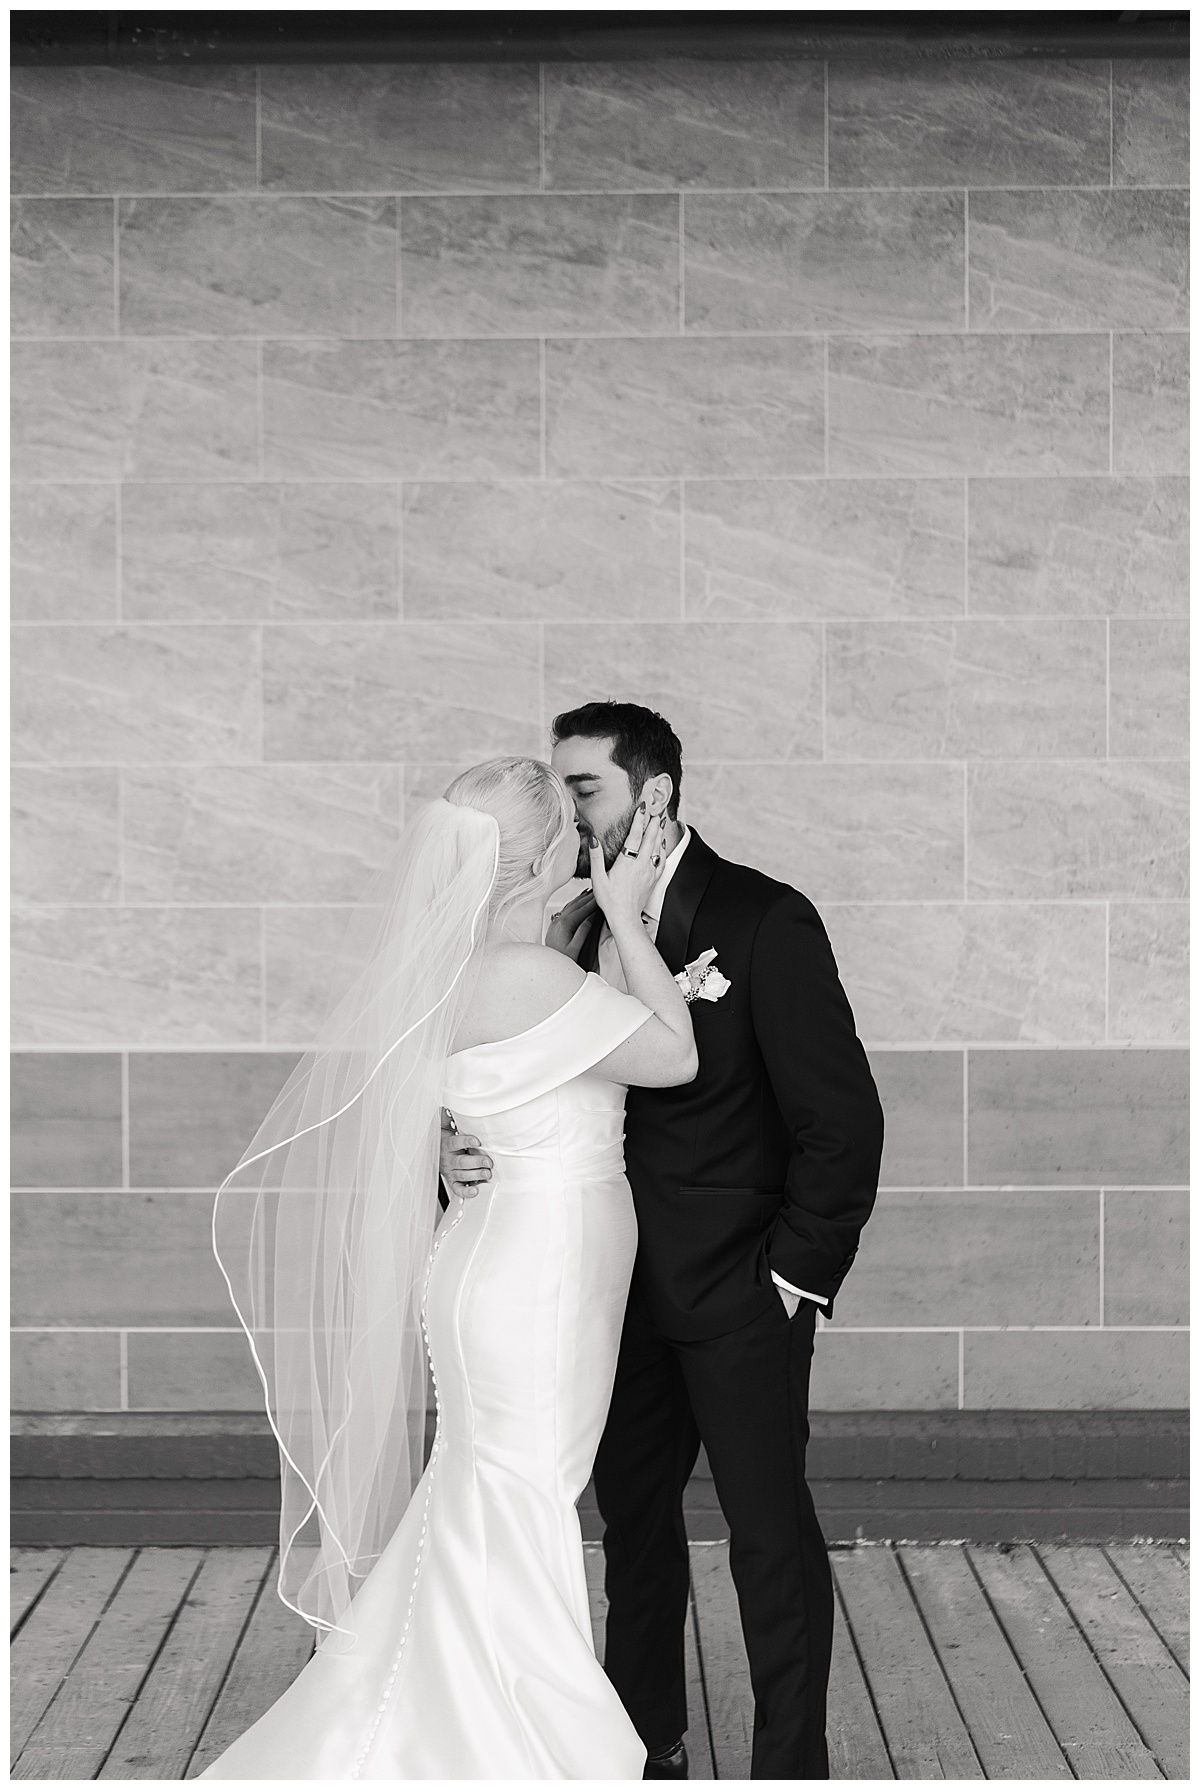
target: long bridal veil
324 1229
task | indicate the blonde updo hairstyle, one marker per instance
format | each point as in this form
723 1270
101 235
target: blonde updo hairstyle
530 804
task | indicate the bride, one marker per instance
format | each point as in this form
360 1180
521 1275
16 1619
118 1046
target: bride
455 1640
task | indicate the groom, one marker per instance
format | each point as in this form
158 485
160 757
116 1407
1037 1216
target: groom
751 1185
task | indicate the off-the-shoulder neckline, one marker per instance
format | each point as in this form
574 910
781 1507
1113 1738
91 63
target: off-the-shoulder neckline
515 1037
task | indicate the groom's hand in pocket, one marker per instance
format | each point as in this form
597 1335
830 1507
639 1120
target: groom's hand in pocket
464 1166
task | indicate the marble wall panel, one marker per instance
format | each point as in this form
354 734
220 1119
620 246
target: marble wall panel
65 1112
1033 974
420 690
1064 260
540 265
1150 403
61 267
68 1370
400 128
781 549
425 782
115 1258
698 408
371 410
136 976
921 1092
576 550
884 1371
1049 1370
966 689
258 266
63 541
1098 546
275 500
1148 972
731 690
840 832
1077 1117
86 695
305 950
1150 123
65 839
106 410
178 1370
1014 123
145 129
1061 831
269 552
944 405
262 833
1146 1257
684 124
1148 689
933 1257
814 261
192 1113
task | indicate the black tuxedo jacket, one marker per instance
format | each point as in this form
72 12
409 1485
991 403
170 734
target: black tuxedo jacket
769 1159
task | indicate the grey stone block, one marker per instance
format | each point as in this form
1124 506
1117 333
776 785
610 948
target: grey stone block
1077 1117
65 1114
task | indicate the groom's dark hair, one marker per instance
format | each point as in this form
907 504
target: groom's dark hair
643 744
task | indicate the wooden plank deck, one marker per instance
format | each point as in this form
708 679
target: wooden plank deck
948 1661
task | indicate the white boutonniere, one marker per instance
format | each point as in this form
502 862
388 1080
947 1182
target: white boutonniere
702 980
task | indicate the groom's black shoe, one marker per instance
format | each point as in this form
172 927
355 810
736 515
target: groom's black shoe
669 1762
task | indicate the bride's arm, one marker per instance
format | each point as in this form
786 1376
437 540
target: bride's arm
661 1053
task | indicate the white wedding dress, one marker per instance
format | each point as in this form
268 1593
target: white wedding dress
474 1656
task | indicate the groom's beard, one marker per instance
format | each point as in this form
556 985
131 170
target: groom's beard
611 841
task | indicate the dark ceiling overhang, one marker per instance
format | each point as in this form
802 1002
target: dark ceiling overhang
64 39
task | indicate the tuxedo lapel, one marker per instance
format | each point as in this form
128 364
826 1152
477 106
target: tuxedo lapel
684 893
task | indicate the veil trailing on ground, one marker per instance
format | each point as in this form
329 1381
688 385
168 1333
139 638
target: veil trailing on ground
323 1230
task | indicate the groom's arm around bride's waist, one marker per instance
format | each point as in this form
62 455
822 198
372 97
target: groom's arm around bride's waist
825 1092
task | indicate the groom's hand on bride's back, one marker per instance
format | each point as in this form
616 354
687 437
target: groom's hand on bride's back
464 1166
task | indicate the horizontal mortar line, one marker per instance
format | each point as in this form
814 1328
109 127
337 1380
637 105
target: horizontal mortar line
831 618
108 480
252 903
32 909
448 618
730 763
653 480
834 1329
125 1329
692 332
632 192
817 332
923 1046
947 1187
1126 1045
957 1187
1097 1186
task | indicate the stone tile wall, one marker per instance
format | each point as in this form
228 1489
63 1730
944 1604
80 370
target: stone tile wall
364 417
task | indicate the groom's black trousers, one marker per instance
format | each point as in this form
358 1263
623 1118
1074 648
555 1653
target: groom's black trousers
746 1396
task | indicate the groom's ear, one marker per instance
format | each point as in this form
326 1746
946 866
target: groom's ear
656 793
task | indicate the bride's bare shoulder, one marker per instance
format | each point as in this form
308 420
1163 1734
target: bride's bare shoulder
519 985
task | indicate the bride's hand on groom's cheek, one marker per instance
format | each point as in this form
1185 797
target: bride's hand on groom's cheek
626 885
